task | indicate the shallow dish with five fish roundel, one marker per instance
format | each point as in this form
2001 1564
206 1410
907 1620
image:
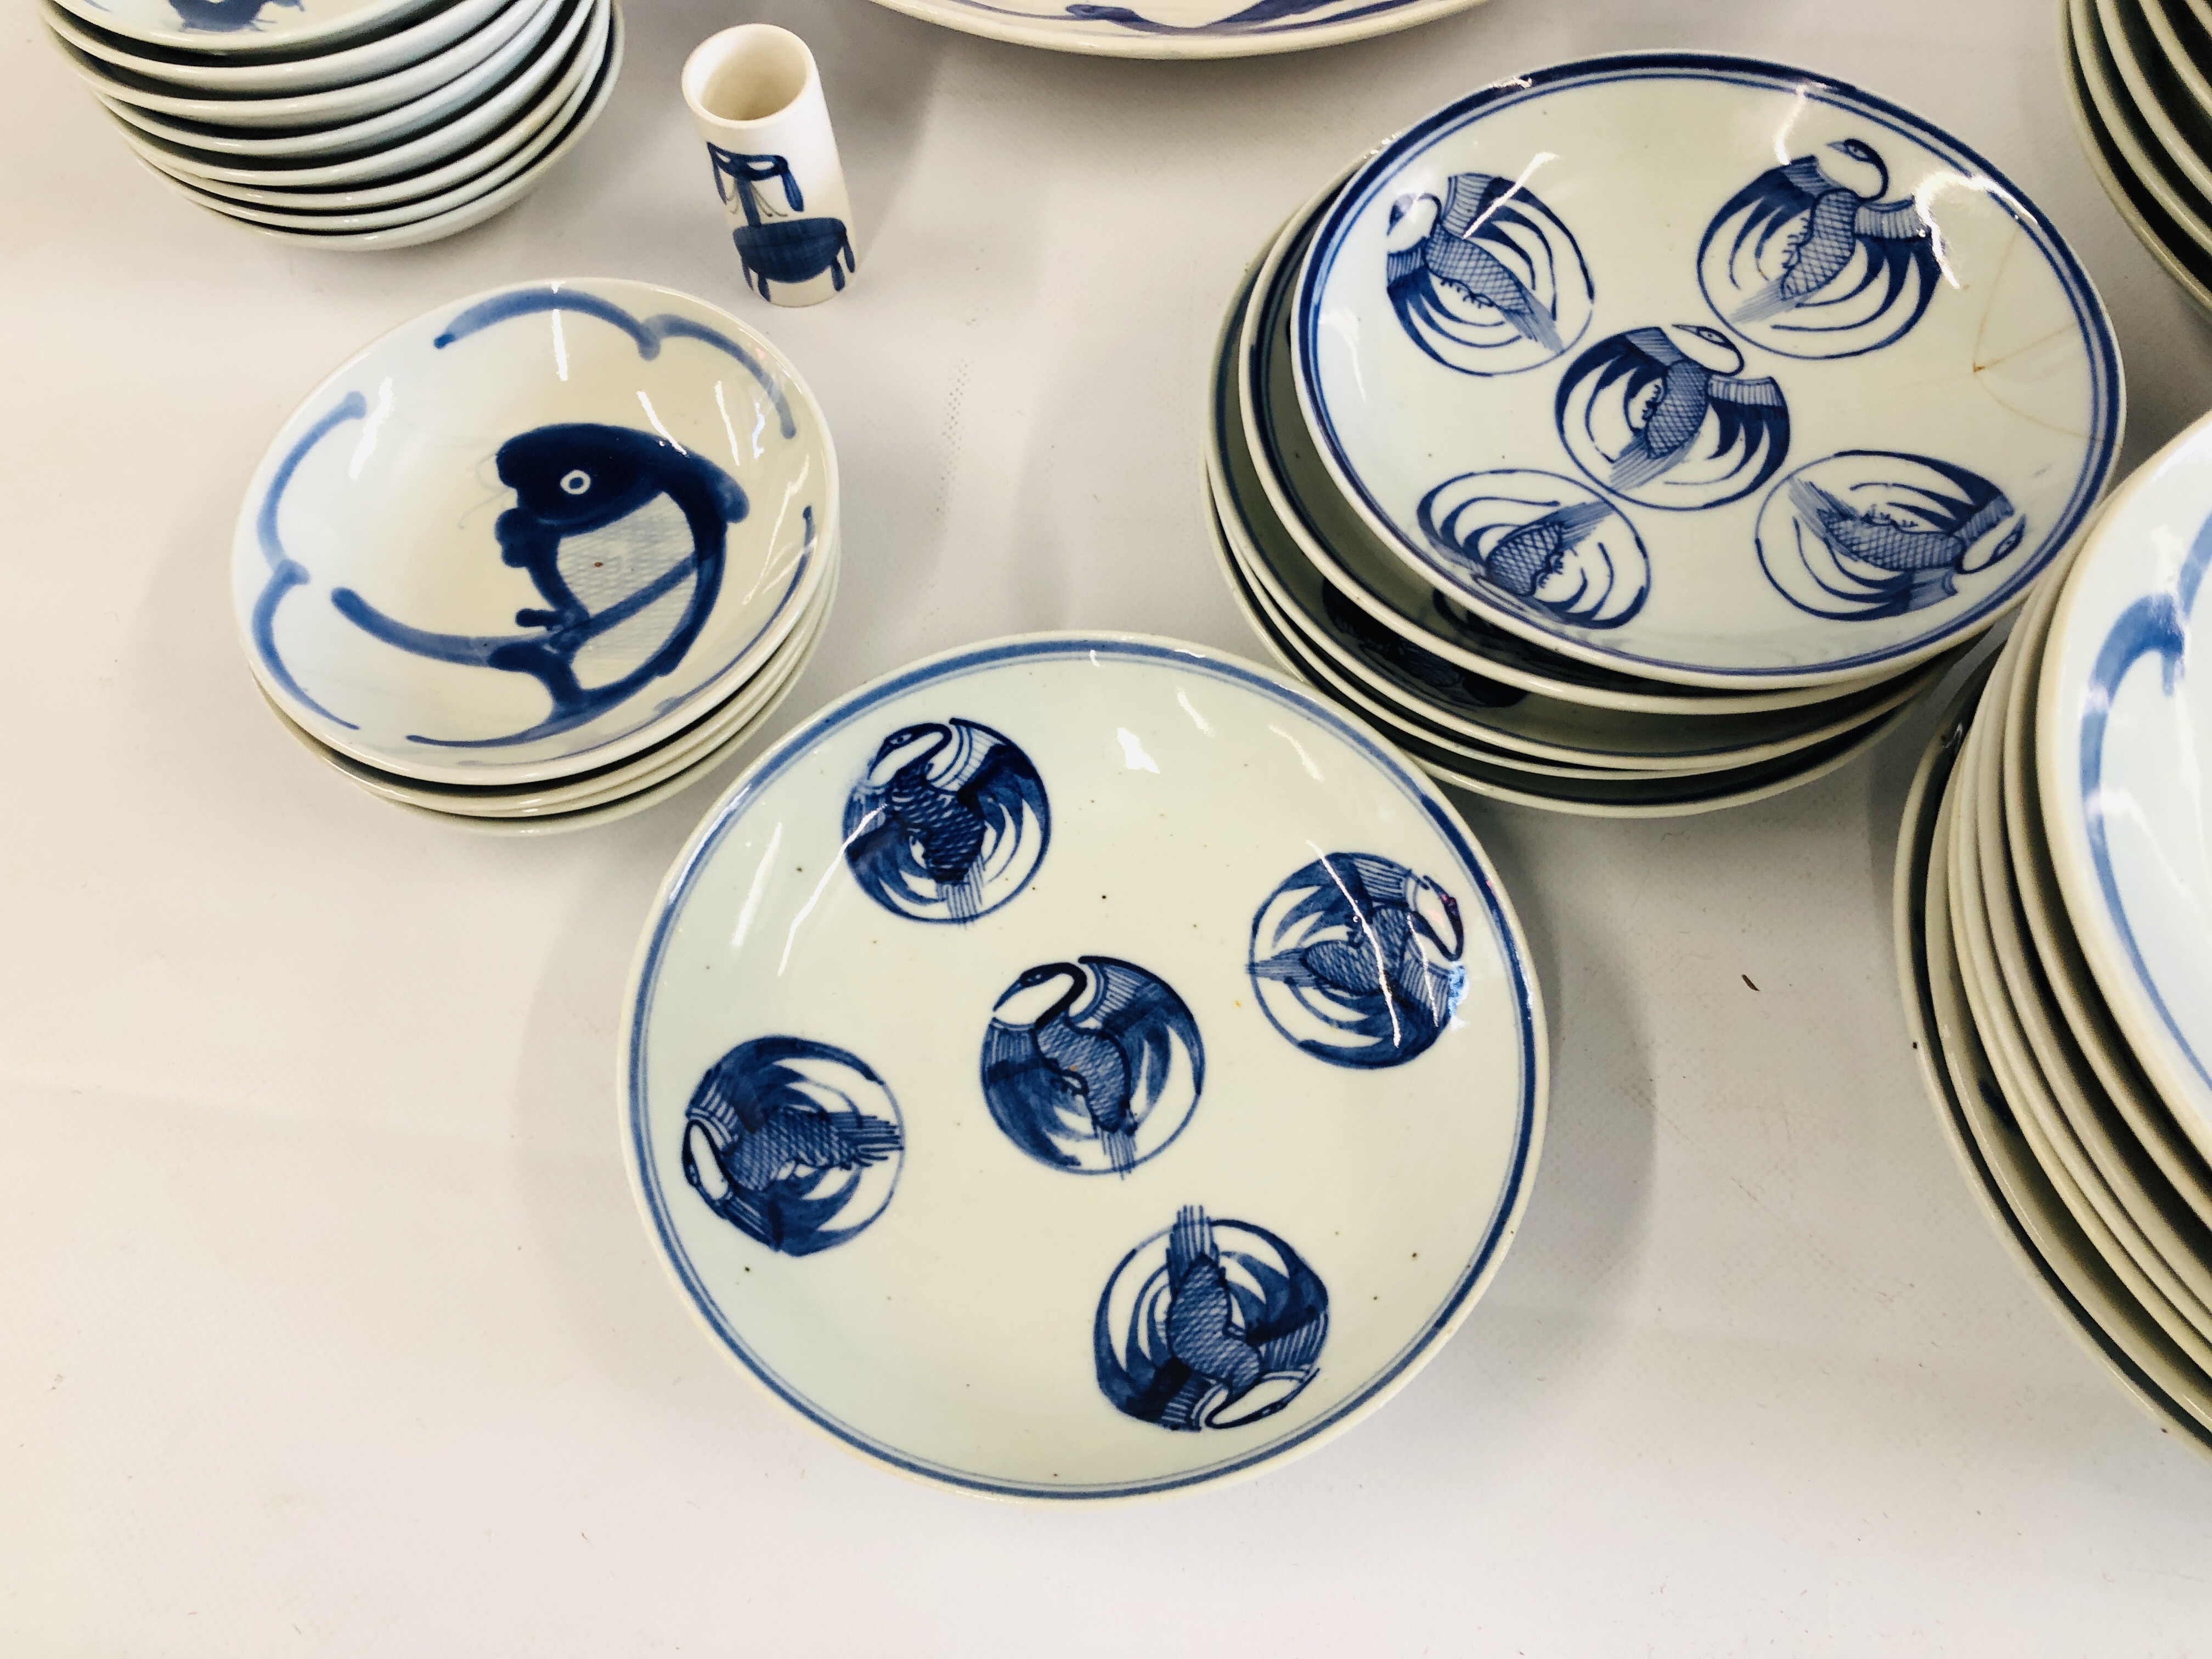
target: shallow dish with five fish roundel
1080 1067
1706 370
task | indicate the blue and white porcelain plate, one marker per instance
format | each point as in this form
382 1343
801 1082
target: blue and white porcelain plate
1706 369
2123 753
1178 28
534 532
253 28
1080 1067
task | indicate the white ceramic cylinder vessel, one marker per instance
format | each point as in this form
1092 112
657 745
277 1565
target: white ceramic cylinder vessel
756 96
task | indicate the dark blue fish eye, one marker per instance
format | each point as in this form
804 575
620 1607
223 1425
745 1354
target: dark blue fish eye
576 483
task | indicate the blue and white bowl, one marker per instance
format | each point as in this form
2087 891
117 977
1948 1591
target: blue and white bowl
1706 370
1081 1067
532 533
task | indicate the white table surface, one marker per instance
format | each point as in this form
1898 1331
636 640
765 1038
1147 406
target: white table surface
327 1323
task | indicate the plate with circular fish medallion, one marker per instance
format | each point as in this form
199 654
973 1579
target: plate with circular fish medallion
1705 369
1022 1059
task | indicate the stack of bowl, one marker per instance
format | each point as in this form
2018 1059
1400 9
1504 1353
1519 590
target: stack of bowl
541 558
1612 463
347 124
2054 932
2140 74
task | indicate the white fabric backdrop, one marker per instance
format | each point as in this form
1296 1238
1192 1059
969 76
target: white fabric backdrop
327 1324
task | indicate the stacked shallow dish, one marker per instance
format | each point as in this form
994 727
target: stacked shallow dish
2054 915
1640 435
347 124
539 558
2140 74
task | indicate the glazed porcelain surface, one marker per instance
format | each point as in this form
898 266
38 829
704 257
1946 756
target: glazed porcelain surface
1619 795
246 28
755 94
2078 1016
478 175
2141 142
1360 565
2116 1241
603 797
300 188
311 73
397 143
2156 1225
1461 699
530 533
194 126
2153 226
2086 1298
1180 29
2123 750
1706 369
445 79
2137 58
478 208
1023 1060
712 734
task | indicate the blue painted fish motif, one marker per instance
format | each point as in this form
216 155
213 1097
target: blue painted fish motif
624 535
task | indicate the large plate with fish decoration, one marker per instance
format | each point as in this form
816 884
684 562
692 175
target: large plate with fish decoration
1706 369
532 532
1179 29
1078 1067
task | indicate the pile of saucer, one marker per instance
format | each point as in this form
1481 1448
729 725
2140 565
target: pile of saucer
2140 74
1025 1063
541 558
2054 915
347 124
1611 465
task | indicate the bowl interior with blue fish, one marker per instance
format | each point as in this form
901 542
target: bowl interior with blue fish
1705 369
532 532
1078 1067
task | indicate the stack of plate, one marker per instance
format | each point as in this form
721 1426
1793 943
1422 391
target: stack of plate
541 558
2141 75
347 124
2054 910
1618 456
